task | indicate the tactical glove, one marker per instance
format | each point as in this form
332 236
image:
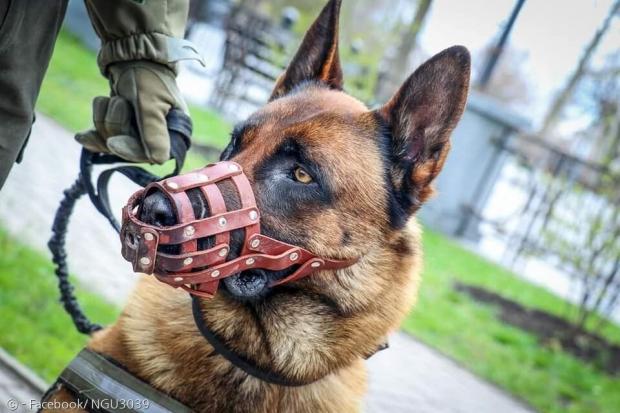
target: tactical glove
141 43
132 122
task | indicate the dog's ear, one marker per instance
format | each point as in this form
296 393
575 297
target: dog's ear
420 118
317 58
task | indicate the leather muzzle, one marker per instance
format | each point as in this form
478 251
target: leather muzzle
199 271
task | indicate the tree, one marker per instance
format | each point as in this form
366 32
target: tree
586 239
398 67
567 91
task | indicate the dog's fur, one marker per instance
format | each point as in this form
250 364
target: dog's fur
372 170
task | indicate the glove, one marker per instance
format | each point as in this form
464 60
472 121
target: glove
132 122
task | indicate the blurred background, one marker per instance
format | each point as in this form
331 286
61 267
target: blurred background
519 308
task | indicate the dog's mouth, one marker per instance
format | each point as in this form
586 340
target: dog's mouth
253 284
250 284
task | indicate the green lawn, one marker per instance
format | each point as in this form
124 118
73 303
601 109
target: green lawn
42 336
548 378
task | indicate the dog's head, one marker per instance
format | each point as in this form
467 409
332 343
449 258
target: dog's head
337 178
329 174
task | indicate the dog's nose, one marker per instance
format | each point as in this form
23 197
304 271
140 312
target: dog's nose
156 209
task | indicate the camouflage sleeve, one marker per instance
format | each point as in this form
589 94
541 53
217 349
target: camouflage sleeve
141 30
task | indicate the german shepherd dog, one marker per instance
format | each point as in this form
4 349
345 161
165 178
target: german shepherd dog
331 176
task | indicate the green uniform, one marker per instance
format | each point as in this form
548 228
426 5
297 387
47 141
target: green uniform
147 32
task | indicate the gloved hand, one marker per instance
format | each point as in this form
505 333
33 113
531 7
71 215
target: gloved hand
132 122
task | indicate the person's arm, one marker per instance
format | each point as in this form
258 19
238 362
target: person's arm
141 41
140 30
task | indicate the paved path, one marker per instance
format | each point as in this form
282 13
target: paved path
409 377
19 388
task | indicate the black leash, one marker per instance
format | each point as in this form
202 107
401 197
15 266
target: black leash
180 129
242 362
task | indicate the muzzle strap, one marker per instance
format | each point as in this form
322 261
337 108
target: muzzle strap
199 271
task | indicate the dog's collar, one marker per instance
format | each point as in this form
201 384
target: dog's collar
101 385
242 362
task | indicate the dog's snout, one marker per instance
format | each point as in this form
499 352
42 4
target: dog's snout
156 209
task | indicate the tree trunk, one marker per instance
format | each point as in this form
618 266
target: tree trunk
398 67
566 93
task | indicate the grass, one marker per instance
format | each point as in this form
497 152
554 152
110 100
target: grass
36 329
547 378
73 80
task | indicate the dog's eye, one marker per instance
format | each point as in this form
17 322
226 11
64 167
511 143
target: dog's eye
302 176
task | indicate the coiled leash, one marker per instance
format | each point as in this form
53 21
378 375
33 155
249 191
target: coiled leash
180 130
99 384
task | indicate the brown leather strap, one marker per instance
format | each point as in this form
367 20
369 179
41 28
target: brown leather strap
199 272
217 206
247 201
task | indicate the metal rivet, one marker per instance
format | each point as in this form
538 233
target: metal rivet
215 273
148 236
222 221
145 261
202 177
255 243
172 185
315 264
223 252
233 167
177 279
253 215
293 256
188 261
189 231
249 261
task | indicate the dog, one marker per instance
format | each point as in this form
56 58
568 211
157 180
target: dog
331 176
